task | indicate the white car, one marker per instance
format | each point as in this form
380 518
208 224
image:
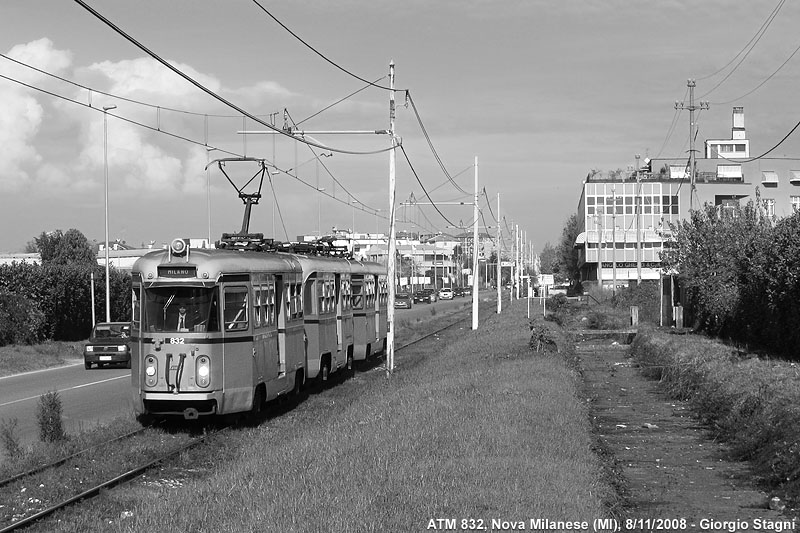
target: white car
446 293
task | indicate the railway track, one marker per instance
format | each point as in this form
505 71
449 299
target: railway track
21 522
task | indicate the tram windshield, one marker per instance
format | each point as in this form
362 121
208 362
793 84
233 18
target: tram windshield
181 309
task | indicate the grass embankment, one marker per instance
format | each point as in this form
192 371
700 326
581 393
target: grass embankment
753 404
477 427
16 359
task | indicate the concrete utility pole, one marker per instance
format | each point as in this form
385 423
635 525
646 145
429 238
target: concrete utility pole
497 255
392 242
636 205
692 129
475 253
614 239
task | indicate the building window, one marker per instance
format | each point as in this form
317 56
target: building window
769 207
795 200
729 171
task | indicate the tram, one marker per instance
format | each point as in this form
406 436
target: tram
223 331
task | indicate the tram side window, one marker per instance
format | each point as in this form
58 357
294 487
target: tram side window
257 307
358 296
294 307
346 299
235 309
268 293
326 296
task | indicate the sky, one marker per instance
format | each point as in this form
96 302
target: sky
541 92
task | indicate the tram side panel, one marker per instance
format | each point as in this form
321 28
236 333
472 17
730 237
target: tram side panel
363 302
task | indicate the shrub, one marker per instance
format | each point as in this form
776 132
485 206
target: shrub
48 416
21 320
8 438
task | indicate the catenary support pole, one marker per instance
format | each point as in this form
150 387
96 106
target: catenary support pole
499 262
392 242
475 281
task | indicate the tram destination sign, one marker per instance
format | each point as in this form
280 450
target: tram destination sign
177 272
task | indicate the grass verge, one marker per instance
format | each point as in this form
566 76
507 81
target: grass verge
475 426
16 359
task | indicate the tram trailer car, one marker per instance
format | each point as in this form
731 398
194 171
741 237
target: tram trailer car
221 331
370 308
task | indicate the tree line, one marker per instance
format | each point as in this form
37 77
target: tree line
52 300
740 276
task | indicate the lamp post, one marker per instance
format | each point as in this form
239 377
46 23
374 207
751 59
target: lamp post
208 192
320 190
106 109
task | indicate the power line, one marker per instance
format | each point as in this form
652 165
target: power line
320 54
211 93
430 144
762 32
763 82
423 187
763 27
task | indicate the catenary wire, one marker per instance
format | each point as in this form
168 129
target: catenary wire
763 27
211 93
320 54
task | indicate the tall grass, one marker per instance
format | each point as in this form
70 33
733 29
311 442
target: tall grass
478 426
751 403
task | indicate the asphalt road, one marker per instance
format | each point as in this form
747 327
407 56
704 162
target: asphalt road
88 397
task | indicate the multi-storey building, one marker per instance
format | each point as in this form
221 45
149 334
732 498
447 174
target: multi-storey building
625 219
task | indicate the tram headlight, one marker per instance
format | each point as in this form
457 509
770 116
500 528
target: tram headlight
203 371
150 371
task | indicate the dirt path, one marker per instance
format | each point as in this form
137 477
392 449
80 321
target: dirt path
670 469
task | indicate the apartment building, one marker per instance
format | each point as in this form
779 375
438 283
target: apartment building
627 218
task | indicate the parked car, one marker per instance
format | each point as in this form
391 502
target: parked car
109 344
402 300
446 293
424 296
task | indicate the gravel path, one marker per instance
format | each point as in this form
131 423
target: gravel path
670 470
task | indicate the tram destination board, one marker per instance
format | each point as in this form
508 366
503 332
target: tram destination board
177 272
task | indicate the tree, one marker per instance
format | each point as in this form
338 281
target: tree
548 259
60 248
567 253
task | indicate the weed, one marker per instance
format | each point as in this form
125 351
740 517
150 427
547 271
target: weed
8 439
48 416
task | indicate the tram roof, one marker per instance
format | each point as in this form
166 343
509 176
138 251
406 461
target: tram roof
216 262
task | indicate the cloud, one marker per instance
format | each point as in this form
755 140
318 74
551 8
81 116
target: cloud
21 115
57 146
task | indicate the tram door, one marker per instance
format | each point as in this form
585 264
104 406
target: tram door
280 320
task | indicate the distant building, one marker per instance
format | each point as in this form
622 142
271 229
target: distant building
639 207
9 258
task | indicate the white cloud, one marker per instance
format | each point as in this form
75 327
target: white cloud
21 115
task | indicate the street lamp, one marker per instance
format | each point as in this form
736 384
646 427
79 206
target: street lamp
319 210
106 109
208 192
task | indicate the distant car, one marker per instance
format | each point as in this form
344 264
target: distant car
467 291
446 293
424 296
109 344
402 300
458 292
